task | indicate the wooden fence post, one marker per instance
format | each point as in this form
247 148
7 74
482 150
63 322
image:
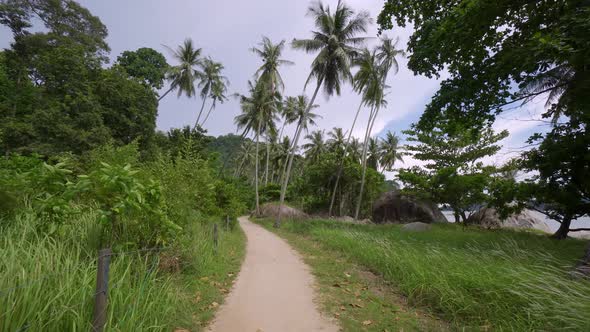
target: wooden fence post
215 237
102 284
227 223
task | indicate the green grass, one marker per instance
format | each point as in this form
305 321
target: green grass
475 279
47 282
358 299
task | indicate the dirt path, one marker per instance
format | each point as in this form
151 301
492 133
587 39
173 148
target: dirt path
273 292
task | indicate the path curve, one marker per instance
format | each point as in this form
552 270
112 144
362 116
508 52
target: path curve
273 291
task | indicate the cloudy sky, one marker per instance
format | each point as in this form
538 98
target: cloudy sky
227 29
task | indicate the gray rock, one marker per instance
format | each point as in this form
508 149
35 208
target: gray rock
271 210
345 219
394 207
489 218
580 235
416 227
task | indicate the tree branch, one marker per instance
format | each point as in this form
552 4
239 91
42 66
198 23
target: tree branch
552 217
530 95
579 229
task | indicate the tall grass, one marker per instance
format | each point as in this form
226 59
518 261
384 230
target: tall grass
485 280
47 282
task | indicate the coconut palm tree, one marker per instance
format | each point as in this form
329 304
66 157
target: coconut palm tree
336 142
316 146
270 137
387 54
294 109
557 82
373 153
269 74
182 77
373 70
375 99
359 86
389 152
208 79
258 115
271 58
288 113
367 74
218 91
354 149
335 41
305 118
281 155
246 155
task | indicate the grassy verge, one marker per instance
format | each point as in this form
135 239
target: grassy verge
484 280
47 281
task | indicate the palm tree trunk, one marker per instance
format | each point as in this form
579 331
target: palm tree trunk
365 148
341 166
281 134
238 170
200 112
290 164
208 113
285 181
165 93
256 175
267 161
286 161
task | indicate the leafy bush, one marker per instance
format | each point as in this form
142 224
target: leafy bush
313 189
127 204
270 193
62 210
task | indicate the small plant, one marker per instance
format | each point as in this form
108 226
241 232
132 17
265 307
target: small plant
120 195
54 200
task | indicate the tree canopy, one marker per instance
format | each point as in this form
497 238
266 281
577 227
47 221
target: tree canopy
453 173
503 52
146 64
494 50
56 94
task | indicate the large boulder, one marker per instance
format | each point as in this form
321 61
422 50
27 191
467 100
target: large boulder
394 207
489 218
271 210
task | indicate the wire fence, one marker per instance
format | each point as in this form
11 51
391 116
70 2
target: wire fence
77 307
100 289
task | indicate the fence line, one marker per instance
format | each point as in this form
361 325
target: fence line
150 271
70 307
6 291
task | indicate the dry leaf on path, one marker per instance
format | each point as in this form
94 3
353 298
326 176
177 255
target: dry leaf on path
367 322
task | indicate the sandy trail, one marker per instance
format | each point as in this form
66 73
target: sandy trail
273 292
